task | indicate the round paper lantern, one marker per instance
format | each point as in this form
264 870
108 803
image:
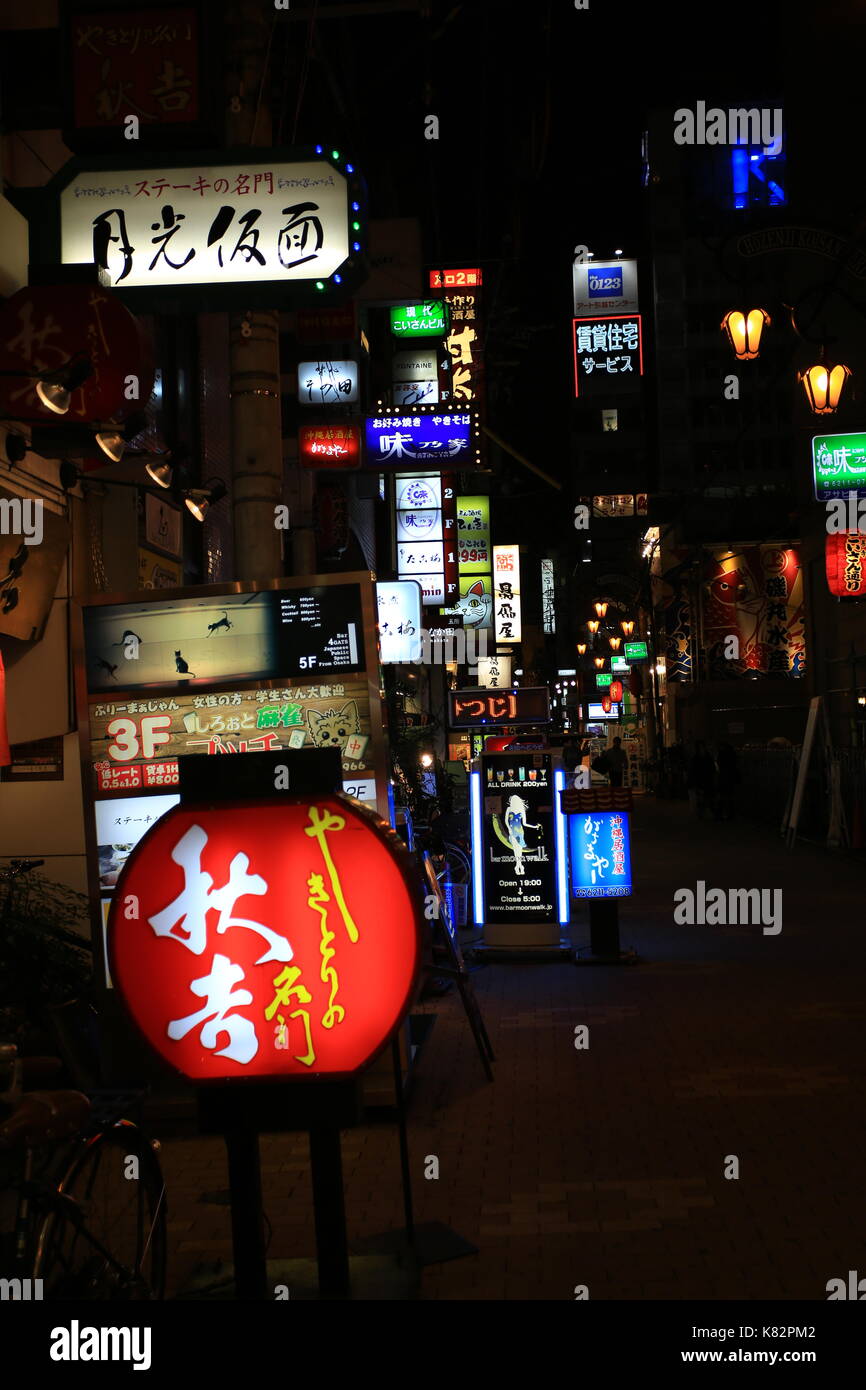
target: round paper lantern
267 939
845 557
606 703
615 691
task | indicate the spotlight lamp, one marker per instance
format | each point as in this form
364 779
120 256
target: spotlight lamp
823 386
199 500
54 389
113 441
744 332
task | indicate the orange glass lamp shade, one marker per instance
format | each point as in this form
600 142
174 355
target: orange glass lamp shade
744 331
581 648
627 627
823 386
599 661
601 609
615 643
593 626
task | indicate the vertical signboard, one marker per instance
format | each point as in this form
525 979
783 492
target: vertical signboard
518 834
506 593
548 601
600 854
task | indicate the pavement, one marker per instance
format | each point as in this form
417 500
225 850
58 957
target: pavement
605 1167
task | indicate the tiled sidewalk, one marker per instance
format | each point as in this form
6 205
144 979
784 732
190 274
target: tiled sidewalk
605 1167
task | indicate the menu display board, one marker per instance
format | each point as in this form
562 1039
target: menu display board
519 837
179 641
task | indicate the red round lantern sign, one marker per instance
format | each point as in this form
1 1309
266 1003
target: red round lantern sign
615 691
267 939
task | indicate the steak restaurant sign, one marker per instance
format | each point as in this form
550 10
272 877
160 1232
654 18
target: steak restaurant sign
256 223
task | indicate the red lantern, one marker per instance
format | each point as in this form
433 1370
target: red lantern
266 939
606 703
845 557
44 327
615 691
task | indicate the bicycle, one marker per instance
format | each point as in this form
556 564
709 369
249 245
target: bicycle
89 1199
90 1214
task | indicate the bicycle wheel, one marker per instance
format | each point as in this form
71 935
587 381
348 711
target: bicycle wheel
458 866
105 1239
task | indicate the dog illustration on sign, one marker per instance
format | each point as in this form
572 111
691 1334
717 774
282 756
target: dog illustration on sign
330 728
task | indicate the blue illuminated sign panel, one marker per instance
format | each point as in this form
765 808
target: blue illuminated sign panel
600 853
603 280
398 441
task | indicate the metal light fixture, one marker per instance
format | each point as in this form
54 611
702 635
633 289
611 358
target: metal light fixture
113 442
55 388
160 471
627 627
744 332
823 386
601 609
199 500
615 643
593 626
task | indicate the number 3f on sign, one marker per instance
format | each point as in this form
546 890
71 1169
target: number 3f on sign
126 743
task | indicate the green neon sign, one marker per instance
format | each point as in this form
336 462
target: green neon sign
603 679
635 651
420 320
839 465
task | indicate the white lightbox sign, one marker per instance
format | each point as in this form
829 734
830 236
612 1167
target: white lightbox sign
327 383
605 287
236 224
506 593
398 604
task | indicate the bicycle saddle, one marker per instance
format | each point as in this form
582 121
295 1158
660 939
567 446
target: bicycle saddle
42 1117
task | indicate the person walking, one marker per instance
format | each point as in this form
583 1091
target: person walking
617 762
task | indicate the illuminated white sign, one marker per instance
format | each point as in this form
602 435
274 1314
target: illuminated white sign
399 613
506 593
327 383
494 671
605 287
224 224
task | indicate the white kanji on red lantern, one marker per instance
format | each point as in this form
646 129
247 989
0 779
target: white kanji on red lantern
220 997
198 897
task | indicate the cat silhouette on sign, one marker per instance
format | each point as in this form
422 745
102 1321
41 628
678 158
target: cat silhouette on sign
331 728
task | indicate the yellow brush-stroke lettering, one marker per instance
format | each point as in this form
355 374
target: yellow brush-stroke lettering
322 822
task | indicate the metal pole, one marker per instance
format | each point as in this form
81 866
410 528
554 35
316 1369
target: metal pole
248 1238
254 355
332 1252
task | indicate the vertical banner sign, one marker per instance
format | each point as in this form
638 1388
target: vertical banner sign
420 544
506 593
548 604
143 62
473 534
519 838
465 345
450 536
600 854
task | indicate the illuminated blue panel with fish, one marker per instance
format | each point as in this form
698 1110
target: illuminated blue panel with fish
600 851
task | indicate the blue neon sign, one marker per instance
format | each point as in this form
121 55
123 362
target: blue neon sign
604 280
